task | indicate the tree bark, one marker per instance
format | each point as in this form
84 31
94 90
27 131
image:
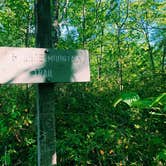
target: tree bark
83 24
150 51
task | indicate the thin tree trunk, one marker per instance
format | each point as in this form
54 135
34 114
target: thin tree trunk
119 27
163 64
99 56
27 33
83 24
55 22
120 67
150 52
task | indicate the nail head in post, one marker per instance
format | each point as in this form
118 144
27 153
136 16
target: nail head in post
46 51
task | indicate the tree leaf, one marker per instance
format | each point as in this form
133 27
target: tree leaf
128 97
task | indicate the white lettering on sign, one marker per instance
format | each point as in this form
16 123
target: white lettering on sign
66 59
43 72
58 58
24 59
40 58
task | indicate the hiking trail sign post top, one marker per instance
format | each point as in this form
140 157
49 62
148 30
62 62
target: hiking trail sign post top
39 65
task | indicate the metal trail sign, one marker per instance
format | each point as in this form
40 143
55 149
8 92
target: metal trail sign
39 65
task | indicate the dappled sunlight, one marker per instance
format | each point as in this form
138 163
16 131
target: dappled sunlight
17 64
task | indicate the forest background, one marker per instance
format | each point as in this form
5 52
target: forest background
118 118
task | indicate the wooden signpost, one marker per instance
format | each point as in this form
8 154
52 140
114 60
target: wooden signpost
44 66
39 65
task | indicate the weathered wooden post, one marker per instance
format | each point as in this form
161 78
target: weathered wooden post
44 66
45 92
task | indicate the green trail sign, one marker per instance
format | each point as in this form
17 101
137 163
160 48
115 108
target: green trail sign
39 65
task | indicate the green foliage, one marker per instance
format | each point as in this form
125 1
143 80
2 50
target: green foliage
133 100
153 110
162 155
104 135
96 123
16 23
128 98
16 118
